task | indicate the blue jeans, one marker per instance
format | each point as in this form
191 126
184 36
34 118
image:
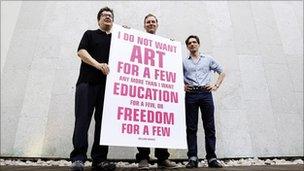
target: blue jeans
204 101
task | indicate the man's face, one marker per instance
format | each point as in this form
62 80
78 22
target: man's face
106 19
192 45
151 25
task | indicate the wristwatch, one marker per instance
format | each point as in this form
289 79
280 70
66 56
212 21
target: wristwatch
216 85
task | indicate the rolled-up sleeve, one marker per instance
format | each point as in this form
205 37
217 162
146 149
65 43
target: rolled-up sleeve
215 66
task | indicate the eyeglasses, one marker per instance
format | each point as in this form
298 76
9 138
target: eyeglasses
107 15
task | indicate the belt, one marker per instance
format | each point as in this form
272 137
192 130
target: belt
197 88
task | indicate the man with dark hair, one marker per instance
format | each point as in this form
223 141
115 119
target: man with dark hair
198 70
93 51
162 155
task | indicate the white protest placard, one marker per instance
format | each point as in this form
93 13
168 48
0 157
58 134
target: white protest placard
144 98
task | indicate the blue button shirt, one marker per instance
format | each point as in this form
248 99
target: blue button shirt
199 73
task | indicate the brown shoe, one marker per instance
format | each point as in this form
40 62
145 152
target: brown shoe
166 164
143 165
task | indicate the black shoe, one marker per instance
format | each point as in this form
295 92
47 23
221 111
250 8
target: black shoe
103 166
214 164
166 164
192 164
77 166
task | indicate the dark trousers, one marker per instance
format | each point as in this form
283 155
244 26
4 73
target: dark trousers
204 101
160 153
87 98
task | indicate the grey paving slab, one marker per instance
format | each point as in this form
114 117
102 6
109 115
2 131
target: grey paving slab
240 168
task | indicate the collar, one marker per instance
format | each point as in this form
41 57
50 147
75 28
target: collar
201 55
101 31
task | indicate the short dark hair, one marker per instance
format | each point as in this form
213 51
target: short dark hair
104 9
192 36
150 15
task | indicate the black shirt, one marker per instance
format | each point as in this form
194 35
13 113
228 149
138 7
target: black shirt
97 43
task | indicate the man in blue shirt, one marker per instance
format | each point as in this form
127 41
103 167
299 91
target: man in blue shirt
198 70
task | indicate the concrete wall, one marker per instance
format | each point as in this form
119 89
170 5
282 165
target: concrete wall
259 108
